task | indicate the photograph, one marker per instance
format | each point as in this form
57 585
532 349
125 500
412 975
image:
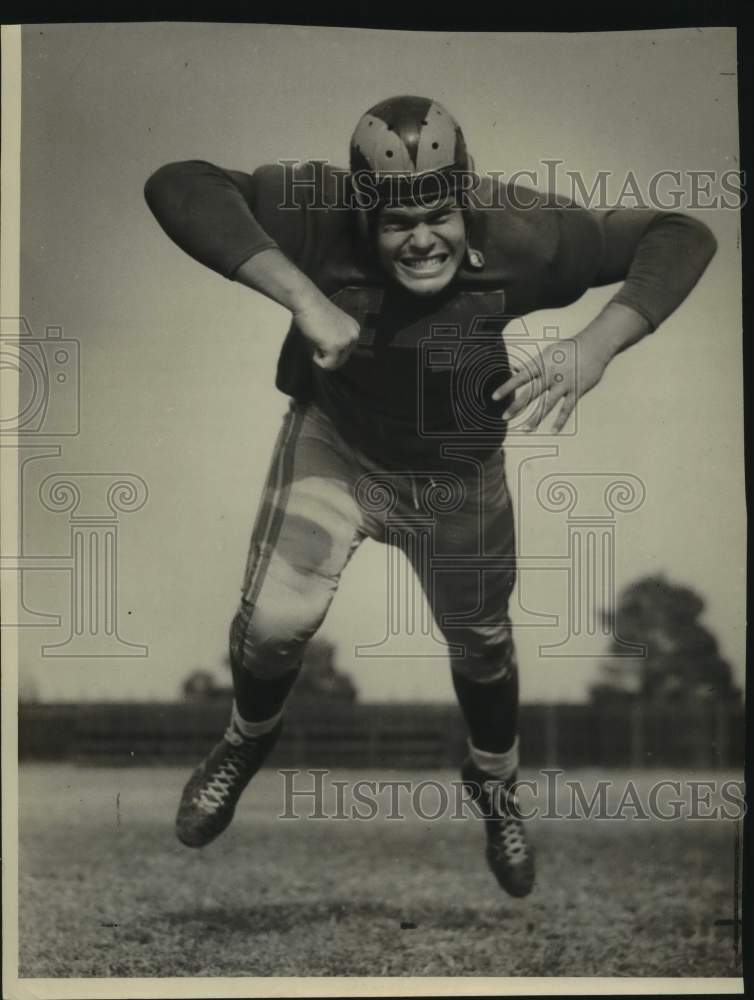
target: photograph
374 515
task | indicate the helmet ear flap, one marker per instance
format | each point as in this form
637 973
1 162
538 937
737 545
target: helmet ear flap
362 224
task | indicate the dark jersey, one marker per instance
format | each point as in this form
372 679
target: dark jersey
424 369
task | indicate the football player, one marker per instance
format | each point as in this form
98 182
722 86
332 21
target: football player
372 263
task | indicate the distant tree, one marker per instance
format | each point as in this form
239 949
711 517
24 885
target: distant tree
200 685
27 688
682 661
320 676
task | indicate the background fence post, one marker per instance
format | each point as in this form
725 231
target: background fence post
637 734
372 736
551 736
722 725
618 735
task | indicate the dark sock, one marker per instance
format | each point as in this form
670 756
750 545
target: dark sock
258 699
490 711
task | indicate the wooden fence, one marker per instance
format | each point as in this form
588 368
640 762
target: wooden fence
323 734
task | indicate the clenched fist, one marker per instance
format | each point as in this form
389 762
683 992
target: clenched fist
332 333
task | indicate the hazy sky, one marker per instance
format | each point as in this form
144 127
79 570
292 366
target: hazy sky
177 364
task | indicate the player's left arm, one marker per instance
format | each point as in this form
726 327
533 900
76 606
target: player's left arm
659 257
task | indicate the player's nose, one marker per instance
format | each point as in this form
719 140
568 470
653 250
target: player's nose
421 237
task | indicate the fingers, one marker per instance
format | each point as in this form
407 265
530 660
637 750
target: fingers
569 403
551 399
513 383
330 360
531 386
523 398
531 379
528 384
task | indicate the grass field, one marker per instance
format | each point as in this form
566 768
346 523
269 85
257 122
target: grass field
106 890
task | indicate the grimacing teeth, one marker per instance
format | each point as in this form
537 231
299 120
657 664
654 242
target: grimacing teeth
419 263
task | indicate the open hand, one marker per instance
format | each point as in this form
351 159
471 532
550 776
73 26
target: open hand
557 382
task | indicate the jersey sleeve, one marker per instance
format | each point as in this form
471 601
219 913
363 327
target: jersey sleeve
659 256
221 217
549 250
578 254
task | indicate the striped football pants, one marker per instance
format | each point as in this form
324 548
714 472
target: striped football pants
322 497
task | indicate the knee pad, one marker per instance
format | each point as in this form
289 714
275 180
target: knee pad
266 650
488 655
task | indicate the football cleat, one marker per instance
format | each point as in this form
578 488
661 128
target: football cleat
509 853
213 790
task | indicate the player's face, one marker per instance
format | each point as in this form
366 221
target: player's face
422 247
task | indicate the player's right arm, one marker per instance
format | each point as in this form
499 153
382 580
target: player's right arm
332 333
229 221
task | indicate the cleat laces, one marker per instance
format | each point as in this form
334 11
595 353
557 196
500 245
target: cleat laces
510 841
509 854
212 796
